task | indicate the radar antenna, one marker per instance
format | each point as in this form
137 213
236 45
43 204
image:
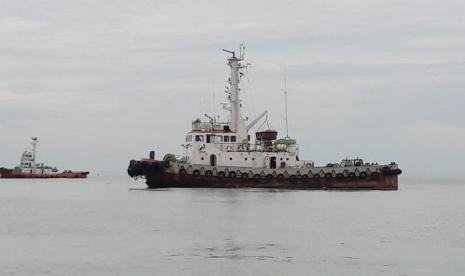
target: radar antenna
231 52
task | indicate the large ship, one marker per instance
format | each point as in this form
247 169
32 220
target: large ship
223 155
29 168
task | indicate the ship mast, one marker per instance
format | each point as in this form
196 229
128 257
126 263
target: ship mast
34 142
237 121
285 102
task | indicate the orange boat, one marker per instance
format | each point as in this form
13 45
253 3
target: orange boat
29 168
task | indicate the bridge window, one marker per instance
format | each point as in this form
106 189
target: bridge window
189 138
219 138
199 138
233 138
226 138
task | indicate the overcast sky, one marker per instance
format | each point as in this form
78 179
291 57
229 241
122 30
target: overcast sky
103 82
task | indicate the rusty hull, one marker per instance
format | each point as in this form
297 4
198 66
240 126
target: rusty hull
166 180
163 174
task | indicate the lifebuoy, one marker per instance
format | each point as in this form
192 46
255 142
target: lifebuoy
309 165
282 165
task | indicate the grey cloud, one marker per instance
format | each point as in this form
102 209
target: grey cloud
101 82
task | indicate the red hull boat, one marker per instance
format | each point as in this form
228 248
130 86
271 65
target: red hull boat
9 173
29 168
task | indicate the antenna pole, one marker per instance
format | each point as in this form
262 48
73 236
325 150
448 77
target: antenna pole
285 101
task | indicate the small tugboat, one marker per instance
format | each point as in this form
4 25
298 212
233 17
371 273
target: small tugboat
29 168
222 155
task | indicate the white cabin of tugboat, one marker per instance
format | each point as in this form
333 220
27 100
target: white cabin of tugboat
213 143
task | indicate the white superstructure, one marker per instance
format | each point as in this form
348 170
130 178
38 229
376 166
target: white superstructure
229 144
28 162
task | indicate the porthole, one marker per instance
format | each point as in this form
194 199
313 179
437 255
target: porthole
230 158
287 159
281 159
245 159
201 158
253 158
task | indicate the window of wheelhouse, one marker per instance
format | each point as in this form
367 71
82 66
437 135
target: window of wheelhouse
226 138
199 138
210 138
233 138
219 138
189 138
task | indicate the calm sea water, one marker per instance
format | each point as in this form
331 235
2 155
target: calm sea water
113 226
